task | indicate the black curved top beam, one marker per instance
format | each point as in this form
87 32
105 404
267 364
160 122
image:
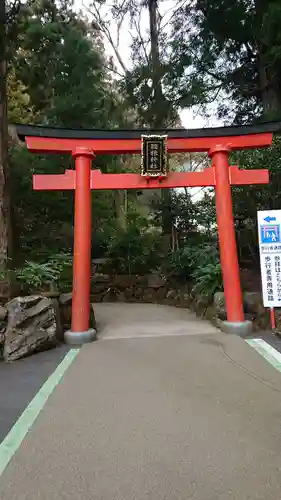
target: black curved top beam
63 133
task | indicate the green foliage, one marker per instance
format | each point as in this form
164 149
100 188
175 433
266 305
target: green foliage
61 63
57 76
135 250
4 275
248 201
19 107
61 261
51 274
200 265
207 276
36 275
213 58
62 265
208 279
182 210
191 258
181 263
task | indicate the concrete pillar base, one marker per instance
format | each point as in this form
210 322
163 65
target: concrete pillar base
243 328
79 338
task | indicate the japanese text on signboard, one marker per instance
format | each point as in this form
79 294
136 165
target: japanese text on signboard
269 224
154 156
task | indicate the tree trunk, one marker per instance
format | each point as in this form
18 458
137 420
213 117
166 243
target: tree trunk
158 97
5 206
159 110
269 80
270 90
120 202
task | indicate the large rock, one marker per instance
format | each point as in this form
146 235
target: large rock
3 313
3 325
65 299
124 281
33 326
138 294
4 291
65 307
201 304
129 294
161 294
97 297
149 295
219 305
101 283
101 278
121 297
172 295
110 295
253 302
184 303
155 281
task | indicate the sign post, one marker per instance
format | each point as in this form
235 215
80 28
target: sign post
269 228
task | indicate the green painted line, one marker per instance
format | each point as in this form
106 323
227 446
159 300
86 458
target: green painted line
13 440
267 352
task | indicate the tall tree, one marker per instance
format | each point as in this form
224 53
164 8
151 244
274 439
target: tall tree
58 76
229 49
4 204
142 80
56 47
8 13
159 118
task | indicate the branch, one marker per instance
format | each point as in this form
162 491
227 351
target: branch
13 11
113 70
180 4
106 31
138 30
121 19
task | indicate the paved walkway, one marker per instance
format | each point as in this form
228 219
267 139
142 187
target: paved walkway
167 410
140 320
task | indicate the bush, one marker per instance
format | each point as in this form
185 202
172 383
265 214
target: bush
134 251
181 263
184 263
208 279
36 276
62 263
51 274
199 264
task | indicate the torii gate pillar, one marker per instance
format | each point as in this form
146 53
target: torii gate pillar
80 331
227 243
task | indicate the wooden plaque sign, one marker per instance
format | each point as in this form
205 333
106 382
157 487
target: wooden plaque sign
154 155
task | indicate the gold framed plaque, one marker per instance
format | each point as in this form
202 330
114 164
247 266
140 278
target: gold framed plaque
154 155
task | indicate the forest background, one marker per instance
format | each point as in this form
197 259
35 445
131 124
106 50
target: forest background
62 64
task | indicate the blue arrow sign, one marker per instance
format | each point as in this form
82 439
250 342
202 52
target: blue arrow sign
269 219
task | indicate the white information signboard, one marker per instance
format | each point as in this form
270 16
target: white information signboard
269 227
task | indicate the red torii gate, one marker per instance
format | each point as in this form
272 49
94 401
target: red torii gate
83 145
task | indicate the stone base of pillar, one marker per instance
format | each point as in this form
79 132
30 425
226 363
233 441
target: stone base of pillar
80 338
242 329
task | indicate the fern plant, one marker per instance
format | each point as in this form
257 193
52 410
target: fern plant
51 273
36 275
208 279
